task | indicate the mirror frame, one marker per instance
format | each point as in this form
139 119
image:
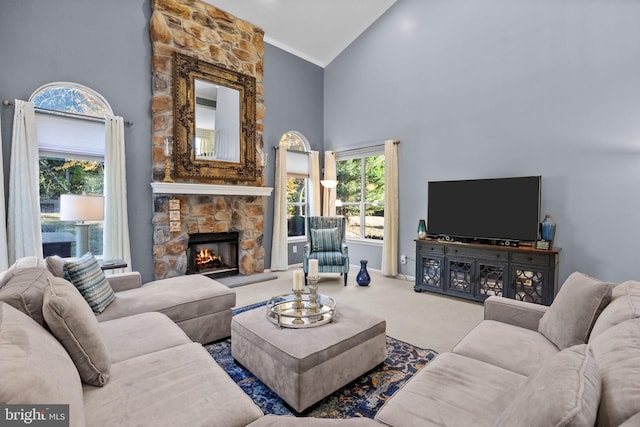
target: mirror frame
185 70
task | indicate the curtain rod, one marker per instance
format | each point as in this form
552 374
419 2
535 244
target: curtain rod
79 116
367 148
276 147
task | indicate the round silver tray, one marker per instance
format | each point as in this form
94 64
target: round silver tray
281 311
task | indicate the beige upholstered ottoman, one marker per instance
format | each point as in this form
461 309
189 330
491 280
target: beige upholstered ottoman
304 365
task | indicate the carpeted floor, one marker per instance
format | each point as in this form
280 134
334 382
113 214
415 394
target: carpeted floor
361 398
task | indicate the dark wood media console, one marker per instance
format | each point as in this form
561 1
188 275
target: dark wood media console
477 271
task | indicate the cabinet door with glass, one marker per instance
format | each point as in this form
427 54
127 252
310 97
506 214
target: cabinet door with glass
460 276
492 277
530 284
475 278
429 267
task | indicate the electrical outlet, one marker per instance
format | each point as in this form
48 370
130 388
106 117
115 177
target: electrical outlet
294 249
403 259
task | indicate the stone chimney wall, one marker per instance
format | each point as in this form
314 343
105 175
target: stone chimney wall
198 29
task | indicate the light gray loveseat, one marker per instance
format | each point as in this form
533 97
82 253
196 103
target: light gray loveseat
528 365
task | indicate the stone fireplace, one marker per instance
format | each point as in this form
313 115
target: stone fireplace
198 29
201 215
213 254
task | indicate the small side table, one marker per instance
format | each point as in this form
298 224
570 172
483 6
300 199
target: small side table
112 264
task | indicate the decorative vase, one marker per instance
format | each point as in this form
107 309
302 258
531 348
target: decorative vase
548 228
422 230
363 278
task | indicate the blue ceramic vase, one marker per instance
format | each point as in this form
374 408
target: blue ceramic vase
548 229
363 278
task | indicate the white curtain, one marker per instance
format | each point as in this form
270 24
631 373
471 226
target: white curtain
116 244
329 196
314 178
279 246
4 255
390 242
23 228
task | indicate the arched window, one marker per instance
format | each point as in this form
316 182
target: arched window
295 141
71 135
297 183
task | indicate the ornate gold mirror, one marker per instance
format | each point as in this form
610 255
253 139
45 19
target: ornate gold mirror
214 121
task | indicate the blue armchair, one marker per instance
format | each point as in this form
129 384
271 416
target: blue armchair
327 243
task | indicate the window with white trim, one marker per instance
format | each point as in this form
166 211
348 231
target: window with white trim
298 172
360 192
71 136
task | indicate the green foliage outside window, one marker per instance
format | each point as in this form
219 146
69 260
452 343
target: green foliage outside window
361 191
68 176
63 176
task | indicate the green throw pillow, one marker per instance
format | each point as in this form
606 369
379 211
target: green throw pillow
86 275
325 240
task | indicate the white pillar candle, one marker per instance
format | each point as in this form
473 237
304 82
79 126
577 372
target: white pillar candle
298 280
166 146
313 267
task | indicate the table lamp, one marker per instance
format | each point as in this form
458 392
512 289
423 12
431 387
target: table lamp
81 208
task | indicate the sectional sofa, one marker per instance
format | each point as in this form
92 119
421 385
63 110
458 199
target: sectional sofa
575 363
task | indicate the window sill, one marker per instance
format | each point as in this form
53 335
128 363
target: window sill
297 239
365 242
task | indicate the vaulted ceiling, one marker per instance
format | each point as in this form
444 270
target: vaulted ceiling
315 30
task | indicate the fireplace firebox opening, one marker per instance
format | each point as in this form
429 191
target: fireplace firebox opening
213 254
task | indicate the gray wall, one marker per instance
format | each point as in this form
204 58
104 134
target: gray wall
105 45
505 88
293 96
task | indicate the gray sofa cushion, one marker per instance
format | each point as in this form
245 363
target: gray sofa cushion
617 352
178 386
564 392
510 347
574 311
71 320
624 305
180 298
23 286
25 263
632 422
452 390
34 367
140 334
55 264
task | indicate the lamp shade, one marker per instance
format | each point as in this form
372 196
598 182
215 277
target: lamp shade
329 183
81 207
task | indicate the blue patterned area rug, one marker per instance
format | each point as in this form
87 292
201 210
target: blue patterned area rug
360 398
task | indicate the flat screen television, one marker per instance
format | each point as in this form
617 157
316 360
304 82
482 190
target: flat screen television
504 209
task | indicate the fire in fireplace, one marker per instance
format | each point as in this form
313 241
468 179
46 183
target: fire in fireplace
213 254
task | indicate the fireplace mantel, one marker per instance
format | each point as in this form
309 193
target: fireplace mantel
212 189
